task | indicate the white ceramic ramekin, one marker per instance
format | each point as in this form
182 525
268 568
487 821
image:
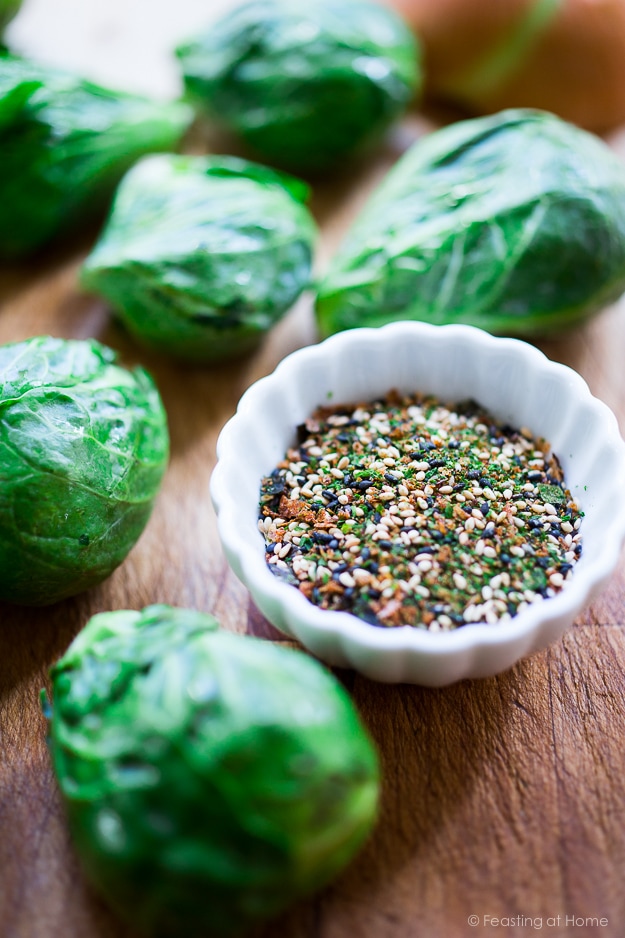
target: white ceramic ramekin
520 386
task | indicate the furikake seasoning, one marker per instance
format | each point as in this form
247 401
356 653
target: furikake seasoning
406 511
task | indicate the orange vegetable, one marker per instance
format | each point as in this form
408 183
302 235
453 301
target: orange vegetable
566 56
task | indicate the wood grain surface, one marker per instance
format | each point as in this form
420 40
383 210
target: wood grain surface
502 798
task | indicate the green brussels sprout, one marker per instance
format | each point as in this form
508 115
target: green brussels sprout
515 223
209 778
202 255
304 84
64 145
83 448
8 9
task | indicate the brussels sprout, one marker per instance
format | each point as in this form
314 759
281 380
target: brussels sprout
64 145
515 223
202 255
209 778
83 448
304 84
8 9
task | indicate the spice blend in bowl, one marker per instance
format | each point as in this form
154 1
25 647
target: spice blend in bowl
407 511
518 387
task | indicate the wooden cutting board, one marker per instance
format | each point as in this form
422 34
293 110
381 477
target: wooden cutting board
502 798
